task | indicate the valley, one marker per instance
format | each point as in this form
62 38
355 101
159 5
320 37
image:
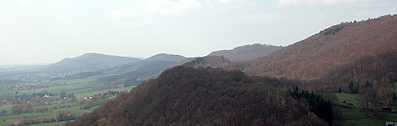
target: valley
46 95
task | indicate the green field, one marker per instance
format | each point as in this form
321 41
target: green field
50 124
355 116
349 98
79 87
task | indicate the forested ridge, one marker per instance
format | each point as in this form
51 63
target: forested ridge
210 96
207 61
246 52
356 51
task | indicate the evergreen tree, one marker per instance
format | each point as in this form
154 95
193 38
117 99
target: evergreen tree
367 84
351 86
356 87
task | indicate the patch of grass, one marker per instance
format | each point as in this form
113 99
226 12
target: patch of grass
349 98
355 117
51 124
88 93
6 107
390 117
3 123
80 88
73 109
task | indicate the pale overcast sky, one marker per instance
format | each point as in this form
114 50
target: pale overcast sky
46 31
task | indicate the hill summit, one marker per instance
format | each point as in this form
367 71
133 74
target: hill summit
89 62
357 51
246 52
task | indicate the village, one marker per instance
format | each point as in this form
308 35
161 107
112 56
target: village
48 97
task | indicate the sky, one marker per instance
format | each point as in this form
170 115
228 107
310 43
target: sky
47 31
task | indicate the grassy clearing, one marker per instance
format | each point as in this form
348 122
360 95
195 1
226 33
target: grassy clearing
80 87
75 85
50 124
357 117
11 118
349 98
3 123
88 93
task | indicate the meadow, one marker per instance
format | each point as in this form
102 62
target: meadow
354 114
79 87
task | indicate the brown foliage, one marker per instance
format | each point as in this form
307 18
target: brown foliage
358 51
203 96
247 52
207 61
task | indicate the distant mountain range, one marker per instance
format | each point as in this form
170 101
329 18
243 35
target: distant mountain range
242 53
156 58
134 70
145 69
90 62
116 64
132 73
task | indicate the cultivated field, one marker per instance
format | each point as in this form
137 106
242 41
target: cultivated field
79 87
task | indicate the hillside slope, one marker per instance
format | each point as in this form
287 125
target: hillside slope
164 58
247 52
89 62
358 51
133 73
205 96
213 61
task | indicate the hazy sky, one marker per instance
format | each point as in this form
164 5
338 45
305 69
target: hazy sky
46 31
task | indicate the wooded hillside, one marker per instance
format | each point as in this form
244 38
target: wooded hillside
213 61
208 96
247 52
358 51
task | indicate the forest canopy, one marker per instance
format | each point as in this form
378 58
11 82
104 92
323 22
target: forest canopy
210 96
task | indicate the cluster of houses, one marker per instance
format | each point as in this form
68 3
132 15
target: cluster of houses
88 97
4 101
26 99
22 87
46 96
21 100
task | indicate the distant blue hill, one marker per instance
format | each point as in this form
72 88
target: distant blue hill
89 62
